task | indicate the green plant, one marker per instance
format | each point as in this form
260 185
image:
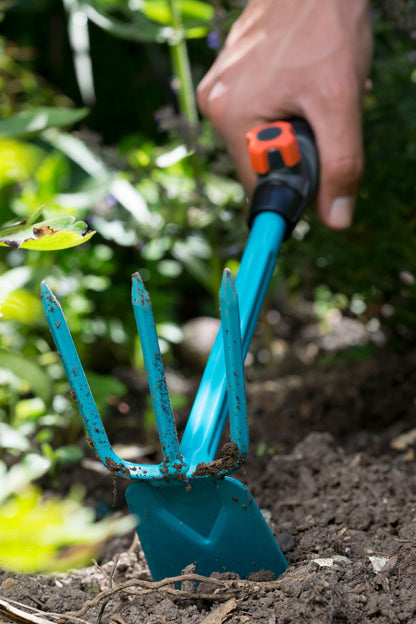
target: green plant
62 533
171 22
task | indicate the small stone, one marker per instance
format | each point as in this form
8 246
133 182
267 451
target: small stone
381 563
286 542
267 515
324 563
198 337
403 441
9 582
341 559
409 456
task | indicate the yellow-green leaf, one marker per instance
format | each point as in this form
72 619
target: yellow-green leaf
18 160
191 11
22 306
59 239
49 535
50 235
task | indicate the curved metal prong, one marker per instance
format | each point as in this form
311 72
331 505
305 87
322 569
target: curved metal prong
83 396
173 463
234 366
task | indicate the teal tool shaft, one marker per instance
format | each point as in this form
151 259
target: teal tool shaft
209 412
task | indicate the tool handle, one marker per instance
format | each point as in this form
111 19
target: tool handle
284 156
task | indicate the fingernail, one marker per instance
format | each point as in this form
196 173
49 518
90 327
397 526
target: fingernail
340 213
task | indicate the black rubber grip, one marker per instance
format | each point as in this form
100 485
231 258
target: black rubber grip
288 190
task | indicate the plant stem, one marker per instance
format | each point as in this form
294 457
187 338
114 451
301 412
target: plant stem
181 67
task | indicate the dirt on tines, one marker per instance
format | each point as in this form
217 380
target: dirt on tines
228 459
333 469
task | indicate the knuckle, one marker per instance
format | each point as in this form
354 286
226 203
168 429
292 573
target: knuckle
216 104
346 169
341 88
338 90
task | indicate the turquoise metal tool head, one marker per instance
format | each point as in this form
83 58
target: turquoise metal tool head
186 512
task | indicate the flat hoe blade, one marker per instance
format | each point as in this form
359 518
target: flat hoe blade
212 523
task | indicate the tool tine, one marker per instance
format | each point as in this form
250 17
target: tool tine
173 462
83 396
234 365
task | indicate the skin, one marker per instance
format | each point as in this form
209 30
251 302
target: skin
302 58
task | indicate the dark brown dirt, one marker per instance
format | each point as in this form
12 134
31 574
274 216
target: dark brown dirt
228 459
335 475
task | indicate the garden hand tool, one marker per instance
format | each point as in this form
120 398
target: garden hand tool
187 509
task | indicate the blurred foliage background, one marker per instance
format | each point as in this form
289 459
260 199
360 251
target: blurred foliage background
155 183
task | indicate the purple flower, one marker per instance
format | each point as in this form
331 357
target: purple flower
213 40
111 200
233 251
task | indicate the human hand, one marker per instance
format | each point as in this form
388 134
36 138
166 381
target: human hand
291 58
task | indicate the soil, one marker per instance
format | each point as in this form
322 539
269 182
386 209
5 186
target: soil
332 466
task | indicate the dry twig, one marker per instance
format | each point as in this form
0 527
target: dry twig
226 590
110 586
117 618
14 614
8 609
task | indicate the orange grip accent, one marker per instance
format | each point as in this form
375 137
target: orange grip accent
263 139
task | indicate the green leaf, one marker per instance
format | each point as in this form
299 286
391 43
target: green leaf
222 191
21 305
16 302
13 439
50 235
195 9
197 32
58 240
69 454
103 387
18 160
40 383
191 10
34 530
31 122
141 29
29 409
13 280
153 20
30 468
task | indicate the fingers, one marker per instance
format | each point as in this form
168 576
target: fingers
337 127
333 109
